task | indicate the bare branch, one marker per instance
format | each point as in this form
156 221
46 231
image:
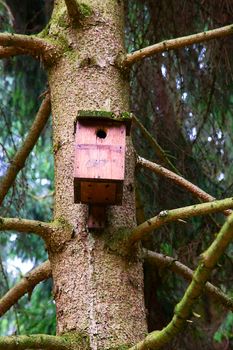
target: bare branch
40 228
166 216
76 10
166 262
20 157
32 45
157 339
10 15
177 43
35 341
6 52
154 144
73 10
140 213
26 285
179 180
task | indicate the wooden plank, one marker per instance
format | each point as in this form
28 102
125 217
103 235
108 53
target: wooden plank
100 151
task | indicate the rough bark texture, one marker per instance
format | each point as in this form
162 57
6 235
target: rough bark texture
97 291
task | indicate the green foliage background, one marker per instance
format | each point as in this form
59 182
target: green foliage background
21 84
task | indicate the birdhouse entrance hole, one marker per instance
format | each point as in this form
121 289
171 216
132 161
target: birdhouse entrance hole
101 133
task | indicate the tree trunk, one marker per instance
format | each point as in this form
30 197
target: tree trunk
98 291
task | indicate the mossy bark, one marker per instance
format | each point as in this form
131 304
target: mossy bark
97 291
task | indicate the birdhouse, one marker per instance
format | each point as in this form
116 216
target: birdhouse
99 165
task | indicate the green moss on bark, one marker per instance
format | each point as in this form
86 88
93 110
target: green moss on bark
117 240
121 347
78 341
85 10
61 222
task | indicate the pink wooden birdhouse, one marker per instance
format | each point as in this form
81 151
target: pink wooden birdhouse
99 165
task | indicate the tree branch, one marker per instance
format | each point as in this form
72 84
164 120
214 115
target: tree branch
29 44
21 155
157 339
179 180
176 44
73 10
76 10
6 52
35 341
164 261
42 229
166 216
160 153
26 285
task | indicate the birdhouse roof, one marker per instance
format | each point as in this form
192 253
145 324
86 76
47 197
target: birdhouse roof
98 115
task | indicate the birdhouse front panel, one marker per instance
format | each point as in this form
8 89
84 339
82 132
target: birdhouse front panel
99 161
100 150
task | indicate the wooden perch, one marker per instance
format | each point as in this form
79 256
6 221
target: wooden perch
166 262
167 216
23 152
26 285
177 43
179 180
